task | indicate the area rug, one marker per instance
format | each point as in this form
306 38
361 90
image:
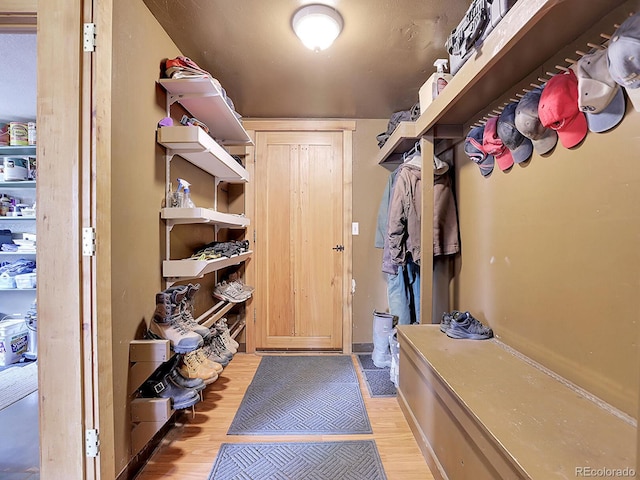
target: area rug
17 382
378 380
349 460
298 395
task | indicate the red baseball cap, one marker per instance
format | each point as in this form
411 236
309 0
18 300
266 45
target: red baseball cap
492 145
558 109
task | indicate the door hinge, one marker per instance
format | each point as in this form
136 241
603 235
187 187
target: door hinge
338 248
91 442
89 37
88 242
254 316
254 236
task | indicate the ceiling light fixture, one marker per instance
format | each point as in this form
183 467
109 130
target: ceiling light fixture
317 26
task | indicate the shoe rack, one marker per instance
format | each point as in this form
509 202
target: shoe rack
148 415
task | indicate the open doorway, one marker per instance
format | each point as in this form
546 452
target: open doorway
18 313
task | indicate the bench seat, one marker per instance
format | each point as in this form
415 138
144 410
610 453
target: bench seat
480 410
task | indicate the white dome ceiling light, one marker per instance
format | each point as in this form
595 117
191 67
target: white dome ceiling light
317 26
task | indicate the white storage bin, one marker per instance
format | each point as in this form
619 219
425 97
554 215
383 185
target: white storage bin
7 281
26 280
13 340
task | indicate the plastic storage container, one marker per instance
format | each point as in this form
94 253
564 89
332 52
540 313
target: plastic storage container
13 340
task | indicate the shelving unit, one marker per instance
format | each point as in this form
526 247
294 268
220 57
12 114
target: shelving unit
527 37
204 100
18 300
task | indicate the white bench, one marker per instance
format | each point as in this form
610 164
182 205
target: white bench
480 410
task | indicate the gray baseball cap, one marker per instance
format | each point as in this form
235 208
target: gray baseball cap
528 123
520 146
623 56
599 96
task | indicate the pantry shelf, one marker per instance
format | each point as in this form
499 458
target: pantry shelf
185 269
197 147
11 219
182 216
18 151
204 101
19 184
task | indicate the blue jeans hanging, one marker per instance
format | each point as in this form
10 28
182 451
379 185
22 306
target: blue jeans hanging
403 292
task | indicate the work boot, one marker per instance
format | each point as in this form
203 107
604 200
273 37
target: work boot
192 367
212 353
196 383
223 329
165 387
202 356
185 307
222 350
165 324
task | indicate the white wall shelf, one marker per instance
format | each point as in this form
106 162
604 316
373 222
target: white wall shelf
18 151
507 49
182 216
11 219
202 98
186 269
196 146
18 184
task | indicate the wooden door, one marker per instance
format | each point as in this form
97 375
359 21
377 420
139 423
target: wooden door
299 240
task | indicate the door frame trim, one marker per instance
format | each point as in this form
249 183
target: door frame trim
309 125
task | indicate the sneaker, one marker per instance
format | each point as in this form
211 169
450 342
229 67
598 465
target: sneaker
230 293
466 326
212 353
446 320
234 279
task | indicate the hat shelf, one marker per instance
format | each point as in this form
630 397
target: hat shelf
505 57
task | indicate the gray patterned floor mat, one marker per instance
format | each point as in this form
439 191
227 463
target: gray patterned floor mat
348 460
302 395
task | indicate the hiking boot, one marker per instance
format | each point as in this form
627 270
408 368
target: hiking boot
167 388
223 351
223 329
202 356
185 307
166 324
212 353
466 326
196 383
192 367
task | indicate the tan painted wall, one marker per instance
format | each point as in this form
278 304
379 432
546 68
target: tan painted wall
137 191
369 181
550 259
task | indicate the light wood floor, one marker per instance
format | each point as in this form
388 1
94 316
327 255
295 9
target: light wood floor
189 450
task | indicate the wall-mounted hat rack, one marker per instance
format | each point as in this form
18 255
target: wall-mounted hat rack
496 110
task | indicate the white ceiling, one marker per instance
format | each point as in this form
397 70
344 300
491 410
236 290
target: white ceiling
376 66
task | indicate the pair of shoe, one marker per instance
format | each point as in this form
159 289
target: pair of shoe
173 319
233 290
463 325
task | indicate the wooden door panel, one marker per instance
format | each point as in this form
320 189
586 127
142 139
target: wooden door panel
299 203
